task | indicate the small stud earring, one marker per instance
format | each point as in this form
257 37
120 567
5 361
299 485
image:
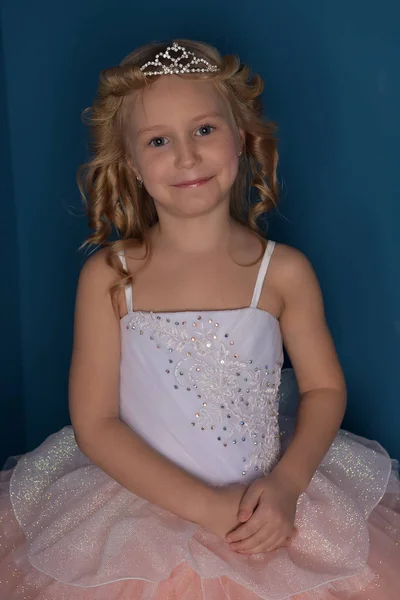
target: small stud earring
140 182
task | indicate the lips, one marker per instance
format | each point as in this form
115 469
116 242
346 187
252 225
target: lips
193 182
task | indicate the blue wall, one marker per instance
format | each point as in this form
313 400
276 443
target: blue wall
331 71
12 419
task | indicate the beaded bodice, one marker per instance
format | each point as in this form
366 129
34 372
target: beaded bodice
202 387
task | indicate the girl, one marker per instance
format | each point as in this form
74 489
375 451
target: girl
178 478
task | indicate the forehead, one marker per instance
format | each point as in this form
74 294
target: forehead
171 98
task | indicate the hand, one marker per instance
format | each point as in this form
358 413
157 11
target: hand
268 509
221 513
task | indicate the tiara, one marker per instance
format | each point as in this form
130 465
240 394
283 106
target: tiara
174 55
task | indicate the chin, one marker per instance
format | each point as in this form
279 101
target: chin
198 206
193 202
191 206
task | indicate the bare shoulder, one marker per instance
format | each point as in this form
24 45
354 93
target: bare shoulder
95 279
291 271
96 269
99 272
290 264
290 280
296 282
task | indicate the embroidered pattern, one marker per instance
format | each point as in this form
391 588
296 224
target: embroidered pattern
237 400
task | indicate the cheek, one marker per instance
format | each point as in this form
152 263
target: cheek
226 159
155 166
225 152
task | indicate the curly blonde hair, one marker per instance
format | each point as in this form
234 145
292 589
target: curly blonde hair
108 186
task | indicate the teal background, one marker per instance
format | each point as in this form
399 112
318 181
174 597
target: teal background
332 84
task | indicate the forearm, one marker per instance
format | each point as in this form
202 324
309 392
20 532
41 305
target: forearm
319 416
130 461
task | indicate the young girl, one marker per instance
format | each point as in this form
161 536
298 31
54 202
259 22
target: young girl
179 479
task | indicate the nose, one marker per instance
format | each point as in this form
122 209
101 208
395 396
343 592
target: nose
186 155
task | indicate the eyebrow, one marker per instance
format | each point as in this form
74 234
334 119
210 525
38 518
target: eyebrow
208 115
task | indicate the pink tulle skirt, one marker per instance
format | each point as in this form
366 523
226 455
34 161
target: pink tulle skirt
69 532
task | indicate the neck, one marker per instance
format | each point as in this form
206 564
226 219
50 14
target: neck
202 235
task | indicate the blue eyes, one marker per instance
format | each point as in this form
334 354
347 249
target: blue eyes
204 129
207 127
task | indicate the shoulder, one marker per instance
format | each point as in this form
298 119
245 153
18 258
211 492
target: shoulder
101 265
291 278
290 265
96 268
96 277
104 269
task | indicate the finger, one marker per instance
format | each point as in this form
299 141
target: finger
284 540
281 543
268 544
261 536
246 546
249 502
244 531
263 549
244 516
271 532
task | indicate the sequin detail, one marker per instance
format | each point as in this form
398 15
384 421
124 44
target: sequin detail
242 397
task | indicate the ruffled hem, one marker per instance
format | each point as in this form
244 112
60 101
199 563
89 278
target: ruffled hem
20 581
82 536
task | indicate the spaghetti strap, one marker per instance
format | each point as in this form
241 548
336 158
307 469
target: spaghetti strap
262 272
128 288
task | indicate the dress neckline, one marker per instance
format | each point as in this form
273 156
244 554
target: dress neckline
219 311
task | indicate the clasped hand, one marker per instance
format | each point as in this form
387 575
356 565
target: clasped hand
267 512
255 518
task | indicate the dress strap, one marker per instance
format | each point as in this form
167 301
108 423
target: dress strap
262 272
128 288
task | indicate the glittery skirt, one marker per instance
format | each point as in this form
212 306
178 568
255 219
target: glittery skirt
68 531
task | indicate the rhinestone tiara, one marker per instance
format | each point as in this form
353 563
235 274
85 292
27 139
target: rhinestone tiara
174 55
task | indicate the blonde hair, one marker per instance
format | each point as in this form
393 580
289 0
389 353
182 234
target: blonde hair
108 186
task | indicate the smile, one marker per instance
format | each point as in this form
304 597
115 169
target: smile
193 184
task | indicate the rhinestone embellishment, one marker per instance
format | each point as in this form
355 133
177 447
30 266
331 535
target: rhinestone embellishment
205 362
177 60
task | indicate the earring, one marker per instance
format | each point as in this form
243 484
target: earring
140 182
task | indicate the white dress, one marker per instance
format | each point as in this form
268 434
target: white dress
203 388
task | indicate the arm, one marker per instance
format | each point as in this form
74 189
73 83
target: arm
321 383
94 405
268 508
